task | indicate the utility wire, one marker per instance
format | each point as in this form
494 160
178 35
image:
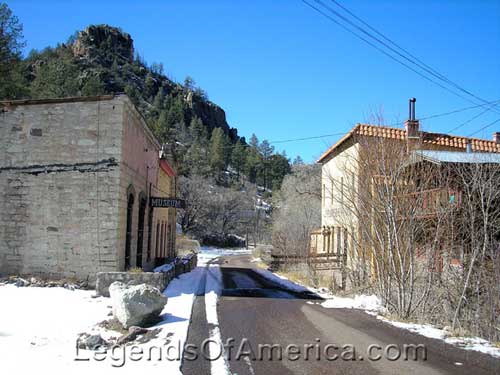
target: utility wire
400 123
469 120
307 138
484 127
430 71
422 65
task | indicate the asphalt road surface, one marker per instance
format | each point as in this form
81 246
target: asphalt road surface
257 314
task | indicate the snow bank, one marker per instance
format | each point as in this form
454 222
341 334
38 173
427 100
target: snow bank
362 302
39 326
427 330
372 305
164 267
206 254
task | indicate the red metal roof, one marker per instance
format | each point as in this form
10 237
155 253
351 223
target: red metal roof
167 168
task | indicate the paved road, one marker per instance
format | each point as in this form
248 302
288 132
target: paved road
254 311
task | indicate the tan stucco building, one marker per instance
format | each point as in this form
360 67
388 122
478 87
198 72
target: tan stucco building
342 178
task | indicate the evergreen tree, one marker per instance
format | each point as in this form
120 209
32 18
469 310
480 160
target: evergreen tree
254 141
189 83
238 157
149 86
93 86
159 100
278 168
298 161
196 160
198 131
252 164
266 150
217 151
56 78
162 130
12 83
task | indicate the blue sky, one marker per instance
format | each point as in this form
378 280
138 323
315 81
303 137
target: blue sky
282 71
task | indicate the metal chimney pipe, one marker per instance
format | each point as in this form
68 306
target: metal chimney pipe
468 147
411 104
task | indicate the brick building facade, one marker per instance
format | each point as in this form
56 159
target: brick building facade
76 175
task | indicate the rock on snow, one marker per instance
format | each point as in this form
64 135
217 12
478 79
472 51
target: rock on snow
136 305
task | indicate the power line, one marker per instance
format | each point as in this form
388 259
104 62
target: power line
425 68
421 64
307 138
496 102
469 120
484 127
397 123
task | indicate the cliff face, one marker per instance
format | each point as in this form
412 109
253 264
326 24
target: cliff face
96 41
108 52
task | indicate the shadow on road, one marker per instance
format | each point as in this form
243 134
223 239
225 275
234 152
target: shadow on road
244 282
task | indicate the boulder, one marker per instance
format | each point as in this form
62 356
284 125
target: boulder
136 305
91 342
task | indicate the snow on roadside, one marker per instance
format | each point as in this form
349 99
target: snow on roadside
39 328
372 305
427 330
213 289
206 253
362 302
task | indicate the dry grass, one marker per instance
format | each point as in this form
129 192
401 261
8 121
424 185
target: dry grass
185 245
135 270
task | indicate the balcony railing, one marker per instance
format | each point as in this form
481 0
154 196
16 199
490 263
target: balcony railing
428 203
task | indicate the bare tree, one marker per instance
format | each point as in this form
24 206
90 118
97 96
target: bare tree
424 235
212 209
297 211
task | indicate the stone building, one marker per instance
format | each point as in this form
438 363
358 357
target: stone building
76 175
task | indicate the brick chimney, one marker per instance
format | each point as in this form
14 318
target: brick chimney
496 137
412 127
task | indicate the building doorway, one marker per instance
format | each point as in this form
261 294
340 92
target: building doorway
140 232
128 237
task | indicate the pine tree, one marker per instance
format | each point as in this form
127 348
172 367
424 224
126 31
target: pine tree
162 130
149 86
12 84
252 163
93 86
159 101
266 150
198 131
278 168
238 157
254 141
216 151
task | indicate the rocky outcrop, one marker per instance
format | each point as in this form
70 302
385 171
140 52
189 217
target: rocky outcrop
136 305
96 39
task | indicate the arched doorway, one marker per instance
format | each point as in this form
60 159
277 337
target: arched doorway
140 231
128 237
